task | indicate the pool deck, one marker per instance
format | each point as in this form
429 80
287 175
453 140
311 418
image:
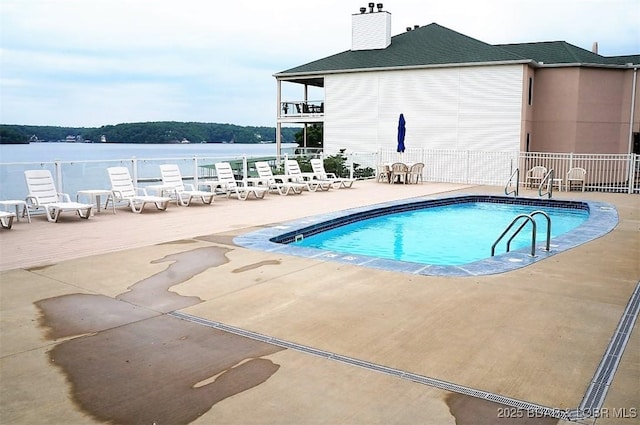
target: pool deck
92 327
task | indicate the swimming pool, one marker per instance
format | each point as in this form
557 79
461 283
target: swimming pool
602 218
453 234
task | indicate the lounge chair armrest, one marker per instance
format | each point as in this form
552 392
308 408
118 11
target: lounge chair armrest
32 201
64 197
141 191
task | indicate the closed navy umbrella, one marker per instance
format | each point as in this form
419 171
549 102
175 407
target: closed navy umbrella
401 133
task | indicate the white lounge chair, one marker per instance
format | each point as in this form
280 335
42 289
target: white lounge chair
43 194
278 183
6 219
123 189
184 193
296 175
535 176
318 170
229 184
575 175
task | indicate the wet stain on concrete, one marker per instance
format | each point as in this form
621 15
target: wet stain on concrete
37 268
154 292
223 239
469 410
179 242
79 314
256 265
132 365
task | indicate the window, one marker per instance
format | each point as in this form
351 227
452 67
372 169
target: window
530 90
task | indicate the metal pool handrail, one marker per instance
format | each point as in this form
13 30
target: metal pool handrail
549 179
516 172
528 218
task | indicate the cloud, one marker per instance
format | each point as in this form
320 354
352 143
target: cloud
91 63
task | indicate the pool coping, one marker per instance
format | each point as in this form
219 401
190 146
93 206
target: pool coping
603 217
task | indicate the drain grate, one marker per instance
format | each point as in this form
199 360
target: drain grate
536 409
597 391
591 402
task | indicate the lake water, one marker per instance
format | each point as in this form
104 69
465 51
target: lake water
49 152
83 165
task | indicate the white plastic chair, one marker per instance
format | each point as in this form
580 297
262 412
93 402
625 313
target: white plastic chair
535 176
277 183
414 175
296 175
575 175
317 166
230 185
398 171
184 193
43 194
123 189
383 173
6 219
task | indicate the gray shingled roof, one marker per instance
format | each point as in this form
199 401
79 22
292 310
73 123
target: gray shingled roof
561 52
433 45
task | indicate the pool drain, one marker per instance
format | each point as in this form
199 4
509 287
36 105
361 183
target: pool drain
536 409
597 391
590 405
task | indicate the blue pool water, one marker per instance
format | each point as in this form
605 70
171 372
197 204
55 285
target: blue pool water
445 235
578 223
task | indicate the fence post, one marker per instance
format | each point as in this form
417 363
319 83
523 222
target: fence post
466 171
350 165
134 166
631 172
195 172
245 169
571 160
58 173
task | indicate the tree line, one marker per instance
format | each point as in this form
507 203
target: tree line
148 132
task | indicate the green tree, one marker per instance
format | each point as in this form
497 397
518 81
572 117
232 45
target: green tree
315 136
11 136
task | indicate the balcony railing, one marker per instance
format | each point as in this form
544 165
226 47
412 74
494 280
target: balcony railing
301 108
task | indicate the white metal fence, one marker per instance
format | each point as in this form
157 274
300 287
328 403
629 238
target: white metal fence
605 172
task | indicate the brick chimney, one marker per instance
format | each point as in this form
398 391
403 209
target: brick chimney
371 29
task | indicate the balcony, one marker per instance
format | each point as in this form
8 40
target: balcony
302 111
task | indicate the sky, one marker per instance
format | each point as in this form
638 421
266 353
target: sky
89 63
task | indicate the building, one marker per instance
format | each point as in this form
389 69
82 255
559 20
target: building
460 93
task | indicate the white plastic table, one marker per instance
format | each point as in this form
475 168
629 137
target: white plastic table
94 198
161 189
17 203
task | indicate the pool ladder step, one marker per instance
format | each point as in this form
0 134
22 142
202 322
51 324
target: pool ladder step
525 218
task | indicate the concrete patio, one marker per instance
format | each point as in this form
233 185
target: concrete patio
90 334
